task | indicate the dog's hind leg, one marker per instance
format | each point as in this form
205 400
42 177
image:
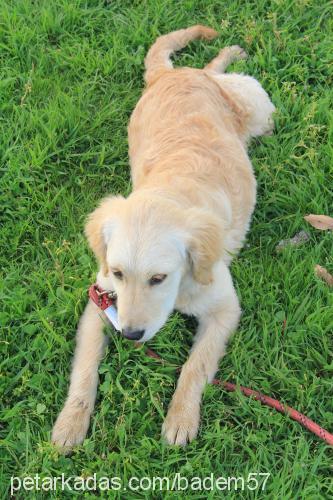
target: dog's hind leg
226 56
244 95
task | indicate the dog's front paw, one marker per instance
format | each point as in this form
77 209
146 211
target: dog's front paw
71 426
181 424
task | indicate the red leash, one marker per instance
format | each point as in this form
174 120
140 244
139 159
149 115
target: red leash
104 299
268 401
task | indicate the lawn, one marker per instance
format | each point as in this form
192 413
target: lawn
71 73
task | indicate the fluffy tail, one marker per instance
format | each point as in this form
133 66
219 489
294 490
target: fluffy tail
158 58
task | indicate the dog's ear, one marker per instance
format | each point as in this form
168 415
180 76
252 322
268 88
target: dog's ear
99 225
204 245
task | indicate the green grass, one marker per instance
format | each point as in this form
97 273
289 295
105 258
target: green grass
71 73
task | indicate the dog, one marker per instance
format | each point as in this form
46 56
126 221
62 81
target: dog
170 243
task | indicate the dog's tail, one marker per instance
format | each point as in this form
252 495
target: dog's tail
158 58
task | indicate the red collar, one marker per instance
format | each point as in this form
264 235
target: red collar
102 298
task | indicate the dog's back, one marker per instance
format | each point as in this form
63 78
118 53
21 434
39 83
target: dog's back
185 124
190 128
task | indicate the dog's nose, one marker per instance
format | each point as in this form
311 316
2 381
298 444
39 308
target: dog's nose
128 333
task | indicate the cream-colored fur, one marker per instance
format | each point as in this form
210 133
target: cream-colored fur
193 195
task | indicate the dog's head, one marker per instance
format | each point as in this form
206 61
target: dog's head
148 245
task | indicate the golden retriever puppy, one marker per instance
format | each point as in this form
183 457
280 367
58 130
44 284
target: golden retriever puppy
169 244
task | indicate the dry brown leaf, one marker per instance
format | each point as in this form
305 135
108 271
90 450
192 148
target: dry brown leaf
322 273
322 222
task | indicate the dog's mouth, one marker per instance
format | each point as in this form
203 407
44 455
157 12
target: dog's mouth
106 301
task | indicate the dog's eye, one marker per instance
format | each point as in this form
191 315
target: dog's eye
117 274
157 279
